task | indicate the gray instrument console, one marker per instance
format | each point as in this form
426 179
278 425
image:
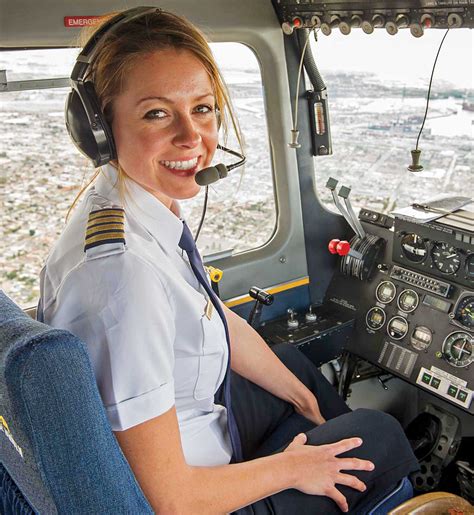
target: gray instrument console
415 316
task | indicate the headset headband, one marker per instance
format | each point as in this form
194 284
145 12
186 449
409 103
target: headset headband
88 53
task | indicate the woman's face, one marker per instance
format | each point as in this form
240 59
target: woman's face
164 123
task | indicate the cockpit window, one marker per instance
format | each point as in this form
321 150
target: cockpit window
377 86
41 172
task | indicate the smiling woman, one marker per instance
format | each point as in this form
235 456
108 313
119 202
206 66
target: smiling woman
126 277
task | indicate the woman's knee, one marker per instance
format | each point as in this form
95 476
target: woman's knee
384 435
381 422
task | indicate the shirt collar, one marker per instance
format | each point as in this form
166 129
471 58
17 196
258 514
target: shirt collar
159 221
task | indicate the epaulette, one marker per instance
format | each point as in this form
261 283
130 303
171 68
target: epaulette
105 226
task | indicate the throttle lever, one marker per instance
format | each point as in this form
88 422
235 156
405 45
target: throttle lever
344 192
331 184
343 248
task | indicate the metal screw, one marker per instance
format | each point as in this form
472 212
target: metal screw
282 259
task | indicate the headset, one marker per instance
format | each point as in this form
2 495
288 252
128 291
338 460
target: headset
85 121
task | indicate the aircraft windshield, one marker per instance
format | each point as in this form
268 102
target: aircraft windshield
377 86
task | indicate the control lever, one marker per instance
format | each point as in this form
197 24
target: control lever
262 298
344 192
292 320
331 184
311 315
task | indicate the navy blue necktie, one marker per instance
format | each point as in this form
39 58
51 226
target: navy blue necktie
187 243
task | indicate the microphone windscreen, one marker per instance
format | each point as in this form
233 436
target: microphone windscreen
207 176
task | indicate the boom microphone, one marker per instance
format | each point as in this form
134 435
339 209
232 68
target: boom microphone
212 174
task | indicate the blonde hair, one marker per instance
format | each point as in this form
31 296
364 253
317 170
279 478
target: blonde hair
118 49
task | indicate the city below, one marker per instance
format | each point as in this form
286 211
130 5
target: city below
374 125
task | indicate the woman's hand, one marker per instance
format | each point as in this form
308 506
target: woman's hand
308 406
318 470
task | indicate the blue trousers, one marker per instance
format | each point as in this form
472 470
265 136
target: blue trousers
268 424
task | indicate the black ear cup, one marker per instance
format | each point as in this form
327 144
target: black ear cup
87 126
85 121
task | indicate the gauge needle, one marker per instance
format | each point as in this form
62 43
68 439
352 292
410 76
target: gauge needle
461 350
451 256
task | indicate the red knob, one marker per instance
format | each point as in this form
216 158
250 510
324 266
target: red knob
332 246
343 248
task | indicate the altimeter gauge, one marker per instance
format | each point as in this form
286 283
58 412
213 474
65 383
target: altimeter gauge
458 349
446 258
414 247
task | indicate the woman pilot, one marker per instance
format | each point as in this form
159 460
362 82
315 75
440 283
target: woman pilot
126 278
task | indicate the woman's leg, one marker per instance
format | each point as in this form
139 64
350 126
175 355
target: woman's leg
384 444
266 422
261 416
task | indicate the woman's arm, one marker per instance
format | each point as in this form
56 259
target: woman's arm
253 359
153 450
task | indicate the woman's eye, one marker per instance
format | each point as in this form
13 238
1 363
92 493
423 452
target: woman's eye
204 109
155 114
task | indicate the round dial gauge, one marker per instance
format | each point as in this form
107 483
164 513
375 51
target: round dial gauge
375 318
465 313
421 338
397 328
414 248
408 301
470 267
385 292
458 349
446 258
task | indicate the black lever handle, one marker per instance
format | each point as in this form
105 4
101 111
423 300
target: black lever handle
262 298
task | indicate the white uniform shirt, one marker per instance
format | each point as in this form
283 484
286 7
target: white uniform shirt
141 312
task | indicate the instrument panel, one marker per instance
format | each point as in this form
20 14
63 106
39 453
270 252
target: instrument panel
379 14
415 316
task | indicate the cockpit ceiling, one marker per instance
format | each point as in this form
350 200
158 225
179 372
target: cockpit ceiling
375 14
57 23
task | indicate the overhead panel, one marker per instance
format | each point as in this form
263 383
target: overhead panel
346 16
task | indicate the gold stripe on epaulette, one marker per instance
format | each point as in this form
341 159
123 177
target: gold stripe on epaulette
104 212
105 236
107 221
104 227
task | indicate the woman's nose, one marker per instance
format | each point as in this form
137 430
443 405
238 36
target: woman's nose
187 132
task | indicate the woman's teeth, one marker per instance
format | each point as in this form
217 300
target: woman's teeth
180 165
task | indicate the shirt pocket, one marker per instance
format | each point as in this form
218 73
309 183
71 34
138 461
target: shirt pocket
212 361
